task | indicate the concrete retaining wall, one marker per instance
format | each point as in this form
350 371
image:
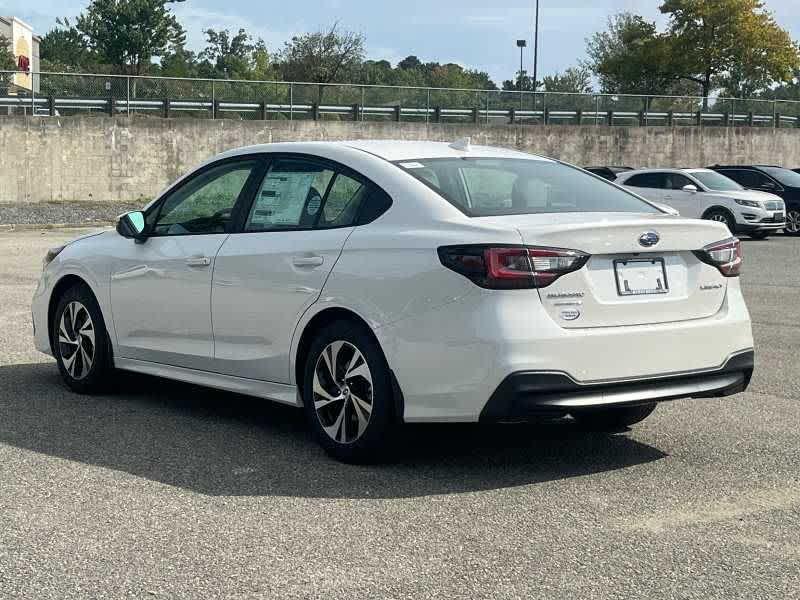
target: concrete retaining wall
120 159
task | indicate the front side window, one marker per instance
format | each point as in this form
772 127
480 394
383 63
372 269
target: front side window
676 181
204 204
290 197
784 176
483 187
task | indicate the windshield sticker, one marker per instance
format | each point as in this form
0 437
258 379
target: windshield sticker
412 165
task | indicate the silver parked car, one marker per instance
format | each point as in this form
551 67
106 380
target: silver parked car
706 194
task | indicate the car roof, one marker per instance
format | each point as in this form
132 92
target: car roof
744 166
628 174
392 150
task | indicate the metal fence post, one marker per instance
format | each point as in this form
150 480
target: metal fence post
51 106
213 101
596 111
291 101
128 95
166 108
670 118
776 121
398 110
750 119
363 101
428 106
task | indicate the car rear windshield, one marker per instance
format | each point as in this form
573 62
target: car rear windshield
716 181
485 187
784 176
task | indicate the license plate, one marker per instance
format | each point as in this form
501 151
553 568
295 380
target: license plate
641 276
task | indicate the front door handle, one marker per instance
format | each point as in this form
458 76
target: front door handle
308 261
198 261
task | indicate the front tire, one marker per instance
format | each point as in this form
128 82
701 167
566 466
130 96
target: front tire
792 222
80 341
613 419
347 393
722 216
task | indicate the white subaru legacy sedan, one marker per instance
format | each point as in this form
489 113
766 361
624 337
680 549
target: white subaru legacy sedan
376 283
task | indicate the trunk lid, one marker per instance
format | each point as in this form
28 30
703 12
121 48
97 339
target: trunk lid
624 282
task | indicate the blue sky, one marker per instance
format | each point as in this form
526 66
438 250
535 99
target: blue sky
473 33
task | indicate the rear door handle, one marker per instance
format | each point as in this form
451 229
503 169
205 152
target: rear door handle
198 261
308 261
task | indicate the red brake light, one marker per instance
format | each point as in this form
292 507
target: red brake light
726 256
511 267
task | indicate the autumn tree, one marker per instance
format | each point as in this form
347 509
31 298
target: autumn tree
735 43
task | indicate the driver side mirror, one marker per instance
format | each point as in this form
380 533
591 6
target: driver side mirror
132 225
692 189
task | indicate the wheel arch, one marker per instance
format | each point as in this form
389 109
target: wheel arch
65 283
321 320
719 208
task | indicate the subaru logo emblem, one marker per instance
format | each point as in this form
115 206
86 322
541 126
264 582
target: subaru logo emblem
649 239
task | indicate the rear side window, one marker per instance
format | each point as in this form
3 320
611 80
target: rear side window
483 187
648 180
342 203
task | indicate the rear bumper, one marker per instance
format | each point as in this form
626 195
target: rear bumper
531 394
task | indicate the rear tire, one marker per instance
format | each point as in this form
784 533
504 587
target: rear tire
792 222
80 341
722 216
347 393
613 419
759 235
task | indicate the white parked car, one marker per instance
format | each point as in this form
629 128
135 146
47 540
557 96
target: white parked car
706 194
375 283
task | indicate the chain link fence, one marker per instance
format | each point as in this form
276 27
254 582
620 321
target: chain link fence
67 94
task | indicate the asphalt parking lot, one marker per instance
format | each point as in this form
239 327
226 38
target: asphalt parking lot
165 490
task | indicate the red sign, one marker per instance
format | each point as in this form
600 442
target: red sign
23 63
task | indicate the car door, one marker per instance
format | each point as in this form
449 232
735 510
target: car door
271 272
161 288
689 204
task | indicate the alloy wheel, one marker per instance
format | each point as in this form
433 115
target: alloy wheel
343 393
76 342
793 221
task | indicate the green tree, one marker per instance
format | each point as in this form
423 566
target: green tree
323 57
631 57
574 80
6 57
735 43
127 34
63 48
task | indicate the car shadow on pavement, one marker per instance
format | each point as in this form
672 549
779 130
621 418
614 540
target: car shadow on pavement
224 444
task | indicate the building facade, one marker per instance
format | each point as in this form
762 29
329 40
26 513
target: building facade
24 45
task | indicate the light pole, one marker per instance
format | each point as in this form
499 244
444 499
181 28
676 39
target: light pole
521 44
536 47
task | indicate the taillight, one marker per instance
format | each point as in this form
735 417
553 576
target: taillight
511 267
725 256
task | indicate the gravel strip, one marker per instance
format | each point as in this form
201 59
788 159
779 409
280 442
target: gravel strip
46 213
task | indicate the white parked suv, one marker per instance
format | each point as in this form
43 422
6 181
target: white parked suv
706 194
375 283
